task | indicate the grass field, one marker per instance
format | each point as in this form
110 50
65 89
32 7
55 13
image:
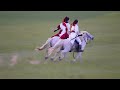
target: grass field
22 31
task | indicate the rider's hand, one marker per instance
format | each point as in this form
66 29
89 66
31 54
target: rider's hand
80 35
55 30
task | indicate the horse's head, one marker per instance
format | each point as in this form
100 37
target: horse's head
89 36
86 36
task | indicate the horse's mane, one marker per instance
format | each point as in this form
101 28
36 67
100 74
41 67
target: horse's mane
82 32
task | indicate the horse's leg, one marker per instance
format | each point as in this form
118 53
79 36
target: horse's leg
79 56
46 56
63 54
67 48
56 54
45 44
56 46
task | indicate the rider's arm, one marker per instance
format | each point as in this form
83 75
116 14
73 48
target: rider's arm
58 28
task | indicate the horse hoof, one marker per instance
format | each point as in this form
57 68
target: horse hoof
60 58
38 49
81 51
73 61
51 59
46 58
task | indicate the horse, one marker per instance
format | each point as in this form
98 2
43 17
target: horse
67 47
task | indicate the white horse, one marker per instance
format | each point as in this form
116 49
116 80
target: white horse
68 47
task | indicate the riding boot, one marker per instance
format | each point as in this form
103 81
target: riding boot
79 48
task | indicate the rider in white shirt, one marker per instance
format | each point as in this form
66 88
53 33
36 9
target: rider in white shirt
75 32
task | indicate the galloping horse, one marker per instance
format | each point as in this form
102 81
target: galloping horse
68 47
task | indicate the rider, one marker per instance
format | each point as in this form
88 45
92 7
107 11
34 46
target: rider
61 26
76 33
65 27
64 30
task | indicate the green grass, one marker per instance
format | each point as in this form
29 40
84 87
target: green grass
21 32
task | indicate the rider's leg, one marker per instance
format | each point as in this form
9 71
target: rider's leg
57 45
79 41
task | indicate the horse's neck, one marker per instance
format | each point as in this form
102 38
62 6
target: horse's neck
83 38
